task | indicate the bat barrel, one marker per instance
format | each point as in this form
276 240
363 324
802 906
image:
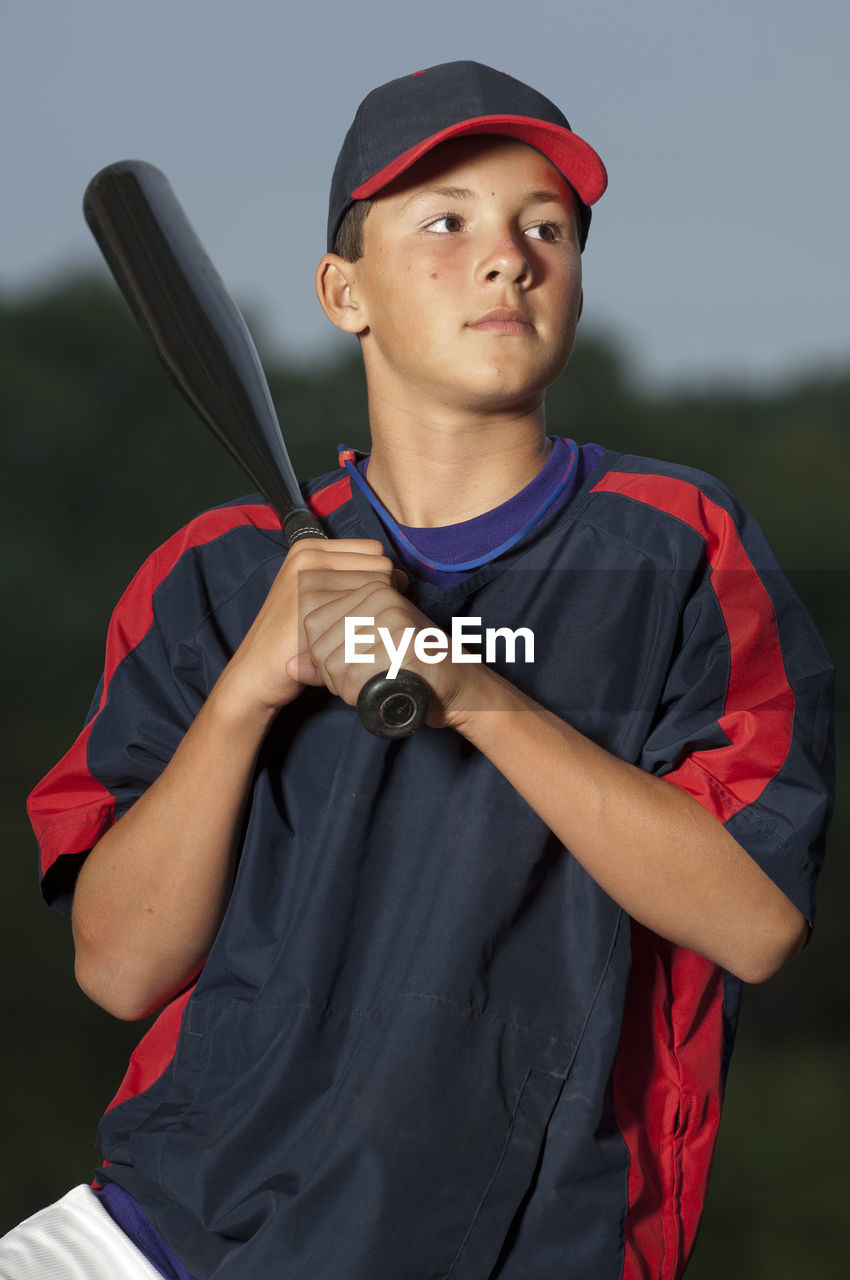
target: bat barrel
196 328
200 335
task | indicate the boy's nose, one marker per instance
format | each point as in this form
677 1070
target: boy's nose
506 260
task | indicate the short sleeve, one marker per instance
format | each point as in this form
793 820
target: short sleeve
145 702
745 724
207 581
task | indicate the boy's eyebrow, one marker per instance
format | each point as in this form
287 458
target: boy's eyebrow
549 197
448 193
464 193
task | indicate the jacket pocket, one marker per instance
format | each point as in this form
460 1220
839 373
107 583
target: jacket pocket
512 1178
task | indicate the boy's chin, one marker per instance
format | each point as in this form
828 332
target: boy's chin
485 386
513 401
501 388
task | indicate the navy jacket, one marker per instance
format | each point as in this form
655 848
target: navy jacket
425 1042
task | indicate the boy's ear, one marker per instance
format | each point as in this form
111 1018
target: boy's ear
334 289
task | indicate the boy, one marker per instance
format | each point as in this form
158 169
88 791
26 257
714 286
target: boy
462 1004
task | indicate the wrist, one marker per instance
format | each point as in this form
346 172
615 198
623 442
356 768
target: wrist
244 706
474 711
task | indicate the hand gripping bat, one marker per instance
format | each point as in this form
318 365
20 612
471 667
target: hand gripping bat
181 302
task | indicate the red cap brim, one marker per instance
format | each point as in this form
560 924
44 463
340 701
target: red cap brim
569 153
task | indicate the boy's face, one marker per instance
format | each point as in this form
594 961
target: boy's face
468 293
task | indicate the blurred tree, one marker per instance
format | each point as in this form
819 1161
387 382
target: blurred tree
103 460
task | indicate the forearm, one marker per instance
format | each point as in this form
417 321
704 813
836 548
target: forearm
667 861
151 894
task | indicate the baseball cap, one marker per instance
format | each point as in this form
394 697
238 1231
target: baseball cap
399 122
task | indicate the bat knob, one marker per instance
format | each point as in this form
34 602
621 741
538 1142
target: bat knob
393 707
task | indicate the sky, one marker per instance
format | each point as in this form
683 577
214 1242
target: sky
720 250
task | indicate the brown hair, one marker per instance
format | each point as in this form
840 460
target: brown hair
348 242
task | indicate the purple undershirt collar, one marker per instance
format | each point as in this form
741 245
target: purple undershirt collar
448 553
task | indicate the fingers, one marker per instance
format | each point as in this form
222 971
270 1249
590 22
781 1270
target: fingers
371 630
349 635
266 669
333 580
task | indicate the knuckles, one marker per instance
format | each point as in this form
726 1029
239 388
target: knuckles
314 552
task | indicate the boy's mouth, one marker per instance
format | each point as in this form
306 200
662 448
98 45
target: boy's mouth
503 320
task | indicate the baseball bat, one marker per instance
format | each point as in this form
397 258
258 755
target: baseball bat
199 333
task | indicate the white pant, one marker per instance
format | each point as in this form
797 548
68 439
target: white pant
73 1239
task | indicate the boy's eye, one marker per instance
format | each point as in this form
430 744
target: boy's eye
446 223
544 231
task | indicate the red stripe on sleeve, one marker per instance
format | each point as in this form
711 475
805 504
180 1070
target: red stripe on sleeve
758 713
69 809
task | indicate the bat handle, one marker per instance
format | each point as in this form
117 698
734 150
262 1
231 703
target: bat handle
393 706
389 707
299 523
